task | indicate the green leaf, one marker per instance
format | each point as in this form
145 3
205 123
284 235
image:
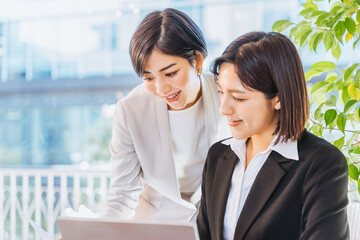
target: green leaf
317 113
335 7
312 39
336 19
317 40
336 51
347 2
357 79
345 95
340 143
323 66
318 86
358 13
331 102
305 38
322 20
353 172
317 130
354 93
341 121
340 30
328 39
330 88
310 5
303 30
281 25
349 105
349 72
339 85
350 140
312 73
355 149
307 13
330 116
357 114
356 42
350 25
331 77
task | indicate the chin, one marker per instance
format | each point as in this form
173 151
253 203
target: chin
239 136
177 106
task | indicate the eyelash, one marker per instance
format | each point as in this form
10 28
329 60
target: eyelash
147 79
171 74
238 99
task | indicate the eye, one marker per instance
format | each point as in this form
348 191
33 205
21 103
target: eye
239 99
171 74
220 92
147 78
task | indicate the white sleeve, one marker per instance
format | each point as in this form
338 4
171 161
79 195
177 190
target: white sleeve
125 173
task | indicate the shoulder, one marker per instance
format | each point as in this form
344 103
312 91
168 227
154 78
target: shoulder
218 149
208 80
139 93
138 99
319 150
138 103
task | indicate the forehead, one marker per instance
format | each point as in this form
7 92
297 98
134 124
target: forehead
158 60
228 78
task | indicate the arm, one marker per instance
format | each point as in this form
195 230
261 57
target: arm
125 172
324 213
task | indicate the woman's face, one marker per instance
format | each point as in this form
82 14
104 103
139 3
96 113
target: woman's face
173 79
249 113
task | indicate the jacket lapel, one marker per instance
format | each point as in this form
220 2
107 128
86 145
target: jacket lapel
210 110
264 185
222 184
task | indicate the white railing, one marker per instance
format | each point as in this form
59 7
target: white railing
41 194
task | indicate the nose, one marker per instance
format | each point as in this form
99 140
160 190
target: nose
225 106
162 86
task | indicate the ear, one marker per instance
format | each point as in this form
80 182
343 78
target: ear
276 102
199 60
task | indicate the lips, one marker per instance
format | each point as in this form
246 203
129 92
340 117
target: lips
173 97
234 123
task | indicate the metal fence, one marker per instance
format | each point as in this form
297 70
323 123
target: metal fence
41 194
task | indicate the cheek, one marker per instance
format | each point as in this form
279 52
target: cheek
150 87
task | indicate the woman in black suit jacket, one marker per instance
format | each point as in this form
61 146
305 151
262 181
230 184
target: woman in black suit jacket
273 179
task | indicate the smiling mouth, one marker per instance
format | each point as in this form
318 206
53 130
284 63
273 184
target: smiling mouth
234 123
173 97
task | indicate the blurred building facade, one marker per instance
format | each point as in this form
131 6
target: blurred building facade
64 64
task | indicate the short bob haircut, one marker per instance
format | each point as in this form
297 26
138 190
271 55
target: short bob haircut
170 31
270 63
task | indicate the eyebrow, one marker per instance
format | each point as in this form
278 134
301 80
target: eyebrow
232 90
162 69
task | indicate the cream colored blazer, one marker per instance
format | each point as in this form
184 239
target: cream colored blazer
142 158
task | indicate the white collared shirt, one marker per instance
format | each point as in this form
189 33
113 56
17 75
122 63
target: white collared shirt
242 180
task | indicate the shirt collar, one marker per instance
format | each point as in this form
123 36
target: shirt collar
287 149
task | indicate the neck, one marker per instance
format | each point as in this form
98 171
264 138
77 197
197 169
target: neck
256 144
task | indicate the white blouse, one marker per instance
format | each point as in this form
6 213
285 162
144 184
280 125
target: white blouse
242 180
188 141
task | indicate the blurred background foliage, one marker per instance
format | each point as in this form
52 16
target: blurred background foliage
334 89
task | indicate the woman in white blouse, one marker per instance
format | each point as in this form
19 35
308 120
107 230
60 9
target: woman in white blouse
163 129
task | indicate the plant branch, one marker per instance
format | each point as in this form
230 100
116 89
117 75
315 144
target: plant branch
351 131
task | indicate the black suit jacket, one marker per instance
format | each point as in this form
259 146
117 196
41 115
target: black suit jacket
289 199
